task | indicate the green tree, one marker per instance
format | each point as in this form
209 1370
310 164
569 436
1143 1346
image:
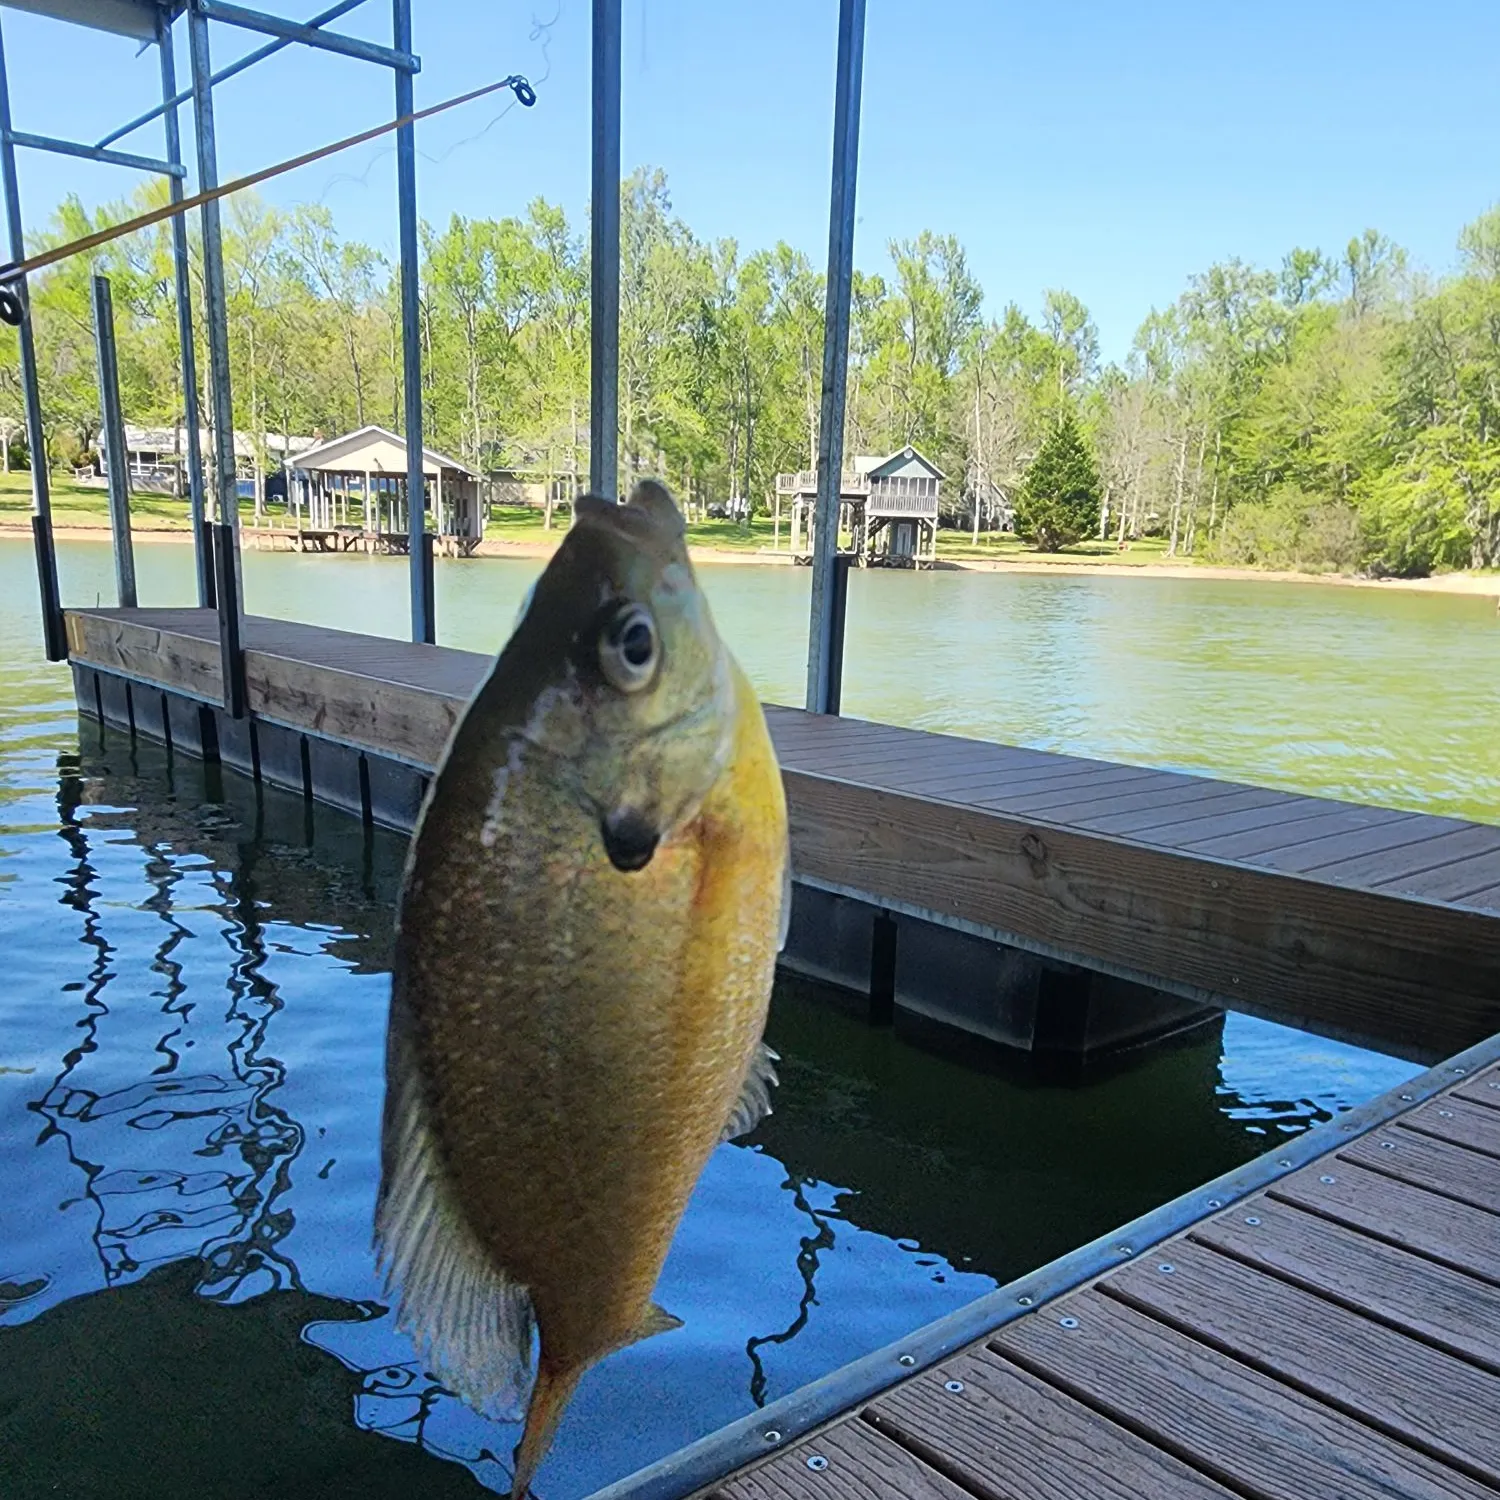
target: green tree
1059 499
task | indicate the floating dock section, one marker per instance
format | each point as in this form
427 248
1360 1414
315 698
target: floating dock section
1044 902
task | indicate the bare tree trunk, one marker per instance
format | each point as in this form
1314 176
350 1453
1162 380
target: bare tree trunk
1213 503
978 460
1177 496
1192 526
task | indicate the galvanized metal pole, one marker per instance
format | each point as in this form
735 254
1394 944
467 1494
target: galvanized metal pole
116 455
825 644
203 543
54 637
221 406
423 589
604 256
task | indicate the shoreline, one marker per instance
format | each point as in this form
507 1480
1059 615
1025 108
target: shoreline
1469 584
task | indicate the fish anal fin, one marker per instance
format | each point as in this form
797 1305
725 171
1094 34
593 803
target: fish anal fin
470 1323
754 1102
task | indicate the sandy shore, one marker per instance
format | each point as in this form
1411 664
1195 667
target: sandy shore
1485 585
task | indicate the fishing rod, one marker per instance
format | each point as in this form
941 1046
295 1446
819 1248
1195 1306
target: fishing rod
11 308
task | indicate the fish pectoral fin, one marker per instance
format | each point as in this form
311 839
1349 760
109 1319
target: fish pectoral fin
754 1102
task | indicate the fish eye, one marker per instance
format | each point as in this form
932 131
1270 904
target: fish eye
629 648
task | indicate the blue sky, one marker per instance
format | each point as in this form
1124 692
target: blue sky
1107 148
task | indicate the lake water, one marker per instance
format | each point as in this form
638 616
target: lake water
192 1018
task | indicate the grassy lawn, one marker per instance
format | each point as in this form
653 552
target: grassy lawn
1003 546
76 505
520 523
83 505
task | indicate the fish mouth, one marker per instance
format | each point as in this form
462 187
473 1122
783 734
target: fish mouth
629 840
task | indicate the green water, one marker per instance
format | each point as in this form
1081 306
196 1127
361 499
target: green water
196 972
1384 696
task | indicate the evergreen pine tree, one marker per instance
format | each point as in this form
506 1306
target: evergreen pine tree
1059 498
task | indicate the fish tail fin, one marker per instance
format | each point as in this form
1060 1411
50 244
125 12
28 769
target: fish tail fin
549 1398
471 1325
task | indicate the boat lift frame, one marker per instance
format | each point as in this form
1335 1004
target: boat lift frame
215 526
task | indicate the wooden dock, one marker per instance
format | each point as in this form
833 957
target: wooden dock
1324 1322
1332 1333
1375 925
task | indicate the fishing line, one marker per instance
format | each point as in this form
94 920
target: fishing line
541 33
11 310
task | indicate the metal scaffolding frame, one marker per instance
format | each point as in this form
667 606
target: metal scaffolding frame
215 524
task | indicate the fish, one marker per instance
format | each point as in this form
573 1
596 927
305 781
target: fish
586 938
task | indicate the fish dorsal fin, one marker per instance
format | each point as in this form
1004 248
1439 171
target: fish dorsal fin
653 497
754 1102
471 1325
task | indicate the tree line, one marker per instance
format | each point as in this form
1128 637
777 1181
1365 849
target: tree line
1339 411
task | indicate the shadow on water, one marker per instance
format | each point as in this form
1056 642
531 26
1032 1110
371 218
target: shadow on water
187 1300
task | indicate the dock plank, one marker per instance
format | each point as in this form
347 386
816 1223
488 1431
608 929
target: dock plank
1242 1427
1105 785
1153 812
1464 1176
861 1464
1446 1308
1010 1434
1458 1120
1450 1233
1391 867
1452 882
1255 841
1484 1089
1285 810
1428 1400
1350 843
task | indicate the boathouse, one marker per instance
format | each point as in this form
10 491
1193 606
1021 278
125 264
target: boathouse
363 475
888 507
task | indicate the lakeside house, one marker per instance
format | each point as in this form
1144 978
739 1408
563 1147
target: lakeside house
158 456
888 507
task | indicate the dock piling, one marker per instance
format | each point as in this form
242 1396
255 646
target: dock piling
221 405
423 605
604 260
826 635
112 427
203 545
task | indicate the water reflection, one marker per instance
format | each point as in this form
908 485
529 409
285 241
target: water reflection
196 1025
